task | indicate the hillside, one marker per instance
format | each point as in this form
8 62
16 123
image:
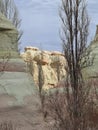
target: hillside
19 99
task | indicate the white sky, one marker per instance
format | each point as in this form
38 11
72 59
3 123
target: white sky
40 22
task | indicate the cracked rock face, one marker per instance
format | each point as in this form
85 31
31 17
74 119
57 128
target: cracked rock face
52 65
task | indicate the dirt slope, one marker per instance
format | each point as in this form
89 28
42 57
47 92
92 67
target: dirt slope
19 100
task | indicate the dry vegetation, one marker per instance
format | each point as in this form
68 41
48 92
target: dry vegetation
60 111
7 126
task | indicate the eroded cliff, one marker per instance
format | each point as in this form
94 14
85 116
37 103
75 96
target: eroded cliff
52 65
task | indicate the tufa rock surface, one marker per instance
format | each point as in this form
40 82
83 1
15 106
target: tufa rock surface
52 65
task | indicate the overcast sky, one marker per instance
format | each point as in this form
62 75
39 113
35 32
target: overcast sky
41 23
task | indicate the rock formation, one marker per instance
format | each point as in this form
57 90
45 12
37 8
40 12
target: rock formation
52 63
8 37
92 71
96 35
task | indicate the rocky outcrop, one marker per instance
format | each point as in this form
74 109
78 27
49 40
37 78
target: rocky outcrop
96 35
92 71
52 65
8 37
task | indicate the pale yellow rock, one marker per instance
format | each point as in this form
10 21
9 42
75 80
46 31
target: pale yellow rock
53 65
57 53
23 56
31 48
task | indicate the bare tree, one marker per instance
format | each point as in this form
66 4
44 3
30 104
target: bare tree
77 53
41 81
40 78
58 69
9 9
71 108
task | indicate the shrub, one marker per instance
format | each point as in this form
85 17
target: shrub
7 126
